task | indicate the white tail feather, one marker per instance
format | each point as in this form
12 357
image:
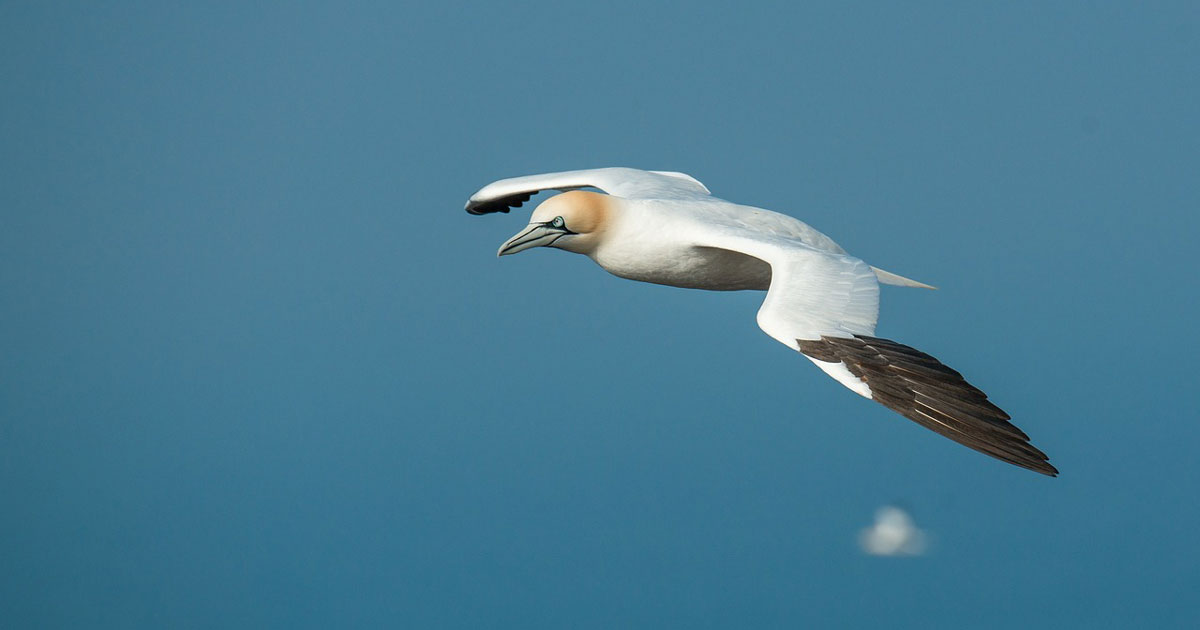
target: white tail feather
888 277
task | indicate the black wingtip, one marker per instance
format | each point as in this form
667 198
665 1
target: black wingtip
922 389
502 204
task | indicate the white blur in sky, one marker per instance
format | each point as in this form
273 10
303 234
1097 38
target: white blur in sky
893 534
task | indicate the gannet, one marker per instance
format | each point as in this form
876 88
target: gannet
666 228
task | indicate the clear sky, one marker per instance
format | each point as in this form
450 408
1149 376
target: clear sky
258 368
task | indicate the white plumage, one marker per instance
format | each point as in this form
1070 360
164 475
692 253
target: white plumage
666 228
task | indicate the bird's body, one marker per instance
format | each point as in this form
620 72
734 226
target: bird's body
662 241
657 241
666 228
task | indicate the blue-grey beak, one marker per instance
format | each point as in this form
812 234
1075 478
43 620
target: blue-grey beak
534 235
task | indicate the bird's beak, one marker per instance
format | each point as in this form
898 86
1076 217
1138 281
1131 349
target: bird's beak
534 235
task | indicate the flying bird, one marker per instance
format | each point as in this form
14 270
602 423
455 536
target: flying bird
667 228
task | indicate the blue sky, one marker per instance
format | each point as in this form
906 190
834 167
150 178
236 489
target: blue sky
258 368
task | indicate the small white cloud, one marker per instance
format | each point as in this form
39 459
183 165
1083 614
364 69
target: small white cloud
893 534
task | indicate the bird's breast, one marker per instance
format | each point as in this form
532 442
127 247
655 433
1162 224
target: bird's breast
688 267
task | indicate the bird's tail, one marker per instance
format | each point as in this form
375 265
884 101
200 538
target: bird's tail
927 392
888 277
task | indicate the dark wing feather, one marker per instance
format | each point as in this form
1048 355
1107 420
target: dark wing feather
927 392
502 204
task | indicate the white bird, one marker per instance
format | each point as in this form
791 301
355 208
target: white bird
666 228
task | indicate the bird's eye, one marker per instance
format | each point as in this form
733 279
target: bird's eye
558 222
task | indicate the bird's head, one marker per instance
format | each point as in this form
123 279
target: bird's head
574 221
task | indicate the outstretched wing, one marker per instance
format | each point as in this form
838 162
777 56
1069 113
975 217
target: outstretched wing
922 389
825 306
629 183
813 292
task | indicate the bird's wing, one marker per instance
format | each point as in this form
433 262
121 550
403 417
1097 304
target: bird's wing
825 306
813 293
629 183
